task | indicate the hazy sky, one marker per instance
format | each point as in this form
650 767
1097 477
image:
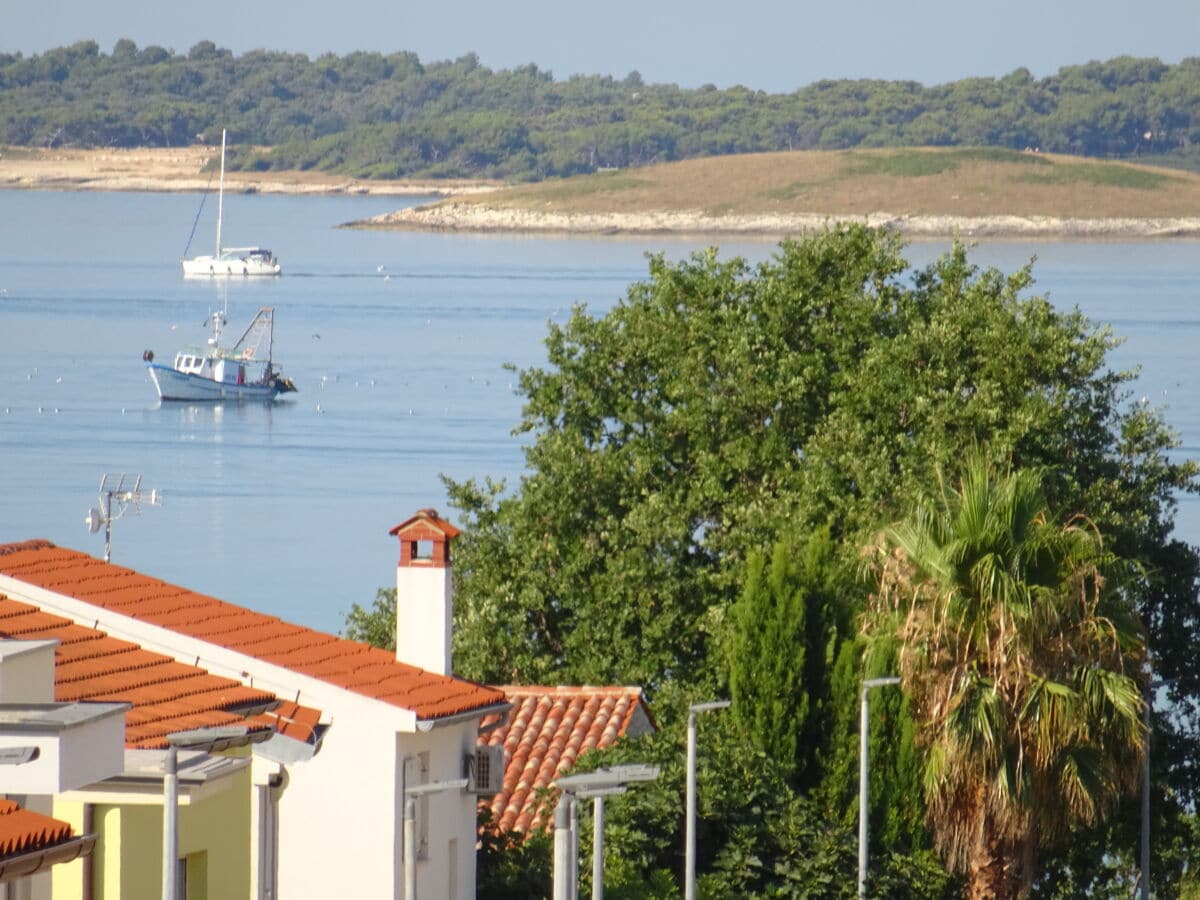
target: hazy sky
773 45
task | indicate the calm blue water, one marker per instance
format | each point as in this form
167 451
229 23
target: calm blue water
397 342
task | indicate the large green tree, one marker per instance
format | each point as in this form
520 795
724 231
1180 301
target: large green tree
721 402
722 405
1023 660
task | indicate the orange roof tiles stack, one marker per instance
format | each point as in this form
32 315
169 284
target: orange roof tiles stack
347 664
548 729
23 831
164 695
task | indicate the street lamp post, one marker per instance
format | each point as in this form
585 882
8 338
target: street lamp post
209 740
597 796
689 875
411 793
1144 849
863 799
597 784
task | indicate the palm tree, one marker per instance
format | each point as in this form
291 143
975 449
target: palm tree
1022 661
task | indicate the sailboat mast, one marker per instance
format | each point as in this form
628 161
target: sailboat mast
220 193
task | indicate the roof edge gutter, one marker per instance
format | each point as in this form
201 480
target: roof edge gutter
26 864
502 708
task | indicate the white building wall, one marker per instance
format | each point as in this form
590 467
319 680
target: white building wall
424 608
341 815
27 671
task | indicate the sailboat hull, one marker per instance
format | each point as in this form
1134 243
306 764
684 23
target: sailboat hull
258 263
174 385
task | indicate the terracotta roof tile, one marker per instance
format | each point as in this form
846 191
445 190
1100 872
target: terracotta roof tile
164 695
365 670
548 729
23 831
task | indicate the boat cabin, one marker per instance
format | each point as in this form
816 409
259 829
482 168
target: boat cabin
225 371
251 254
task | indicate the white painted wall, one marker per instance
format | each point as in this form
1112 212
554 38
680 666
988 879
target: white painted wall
424 614
27 671
68 758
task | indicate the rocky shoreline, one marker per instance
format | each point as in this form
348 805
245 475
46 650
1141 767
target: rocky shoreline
476 217
184 169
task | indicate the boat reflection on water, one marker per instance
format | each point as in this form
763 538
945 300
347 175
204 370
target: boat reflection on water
210 414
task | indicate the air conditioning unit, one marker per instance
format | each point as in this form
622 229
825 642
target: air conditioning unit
485 770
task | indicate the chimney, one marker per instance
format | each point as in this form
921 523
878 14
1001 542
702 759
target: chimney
424 594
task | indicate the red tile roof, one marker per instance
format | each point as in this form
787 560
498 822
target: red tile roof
424 525
164 695
24 831
347 664
548 729
295 721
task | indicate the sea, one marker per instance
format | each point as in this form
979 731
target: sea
403 346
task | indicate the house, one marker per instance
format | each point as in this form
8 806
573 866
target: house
357 730
45 748
122 807
543 735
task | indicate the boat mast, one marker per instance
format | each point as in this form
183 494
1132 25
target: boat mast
220 193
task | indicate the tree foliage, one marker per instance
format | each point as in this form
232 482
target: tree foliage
392 115
376 625
1024 663
785 635
723 407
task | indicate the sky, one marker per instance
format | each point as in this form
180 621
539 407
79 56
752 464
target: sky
770 45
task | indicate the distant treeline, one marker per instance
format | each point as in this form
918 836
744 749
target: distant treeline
392 116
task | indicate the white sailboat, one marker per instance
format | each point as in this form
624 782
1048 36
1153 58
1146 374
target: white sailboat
244 371
230 260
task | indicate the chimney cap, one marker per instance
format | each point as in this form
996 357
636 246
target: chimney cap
426 524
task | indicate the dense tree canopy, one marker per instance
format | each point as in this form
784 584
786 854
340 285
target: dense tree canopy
377 115
722 409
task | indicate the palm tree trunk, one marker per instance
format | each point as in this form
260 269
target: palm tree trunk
996 871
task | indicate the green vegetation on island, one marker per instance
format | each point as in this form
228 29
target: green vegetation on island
710 468
394 116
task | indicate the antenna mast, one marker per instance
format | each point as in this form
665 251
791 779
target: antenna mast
119 494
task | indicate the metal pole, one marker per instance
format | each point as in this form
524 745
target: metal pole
689 872
598 848
562 853
573 847
410 849
1144 891
863 792
863 749
221 193
107 513
689 877
170 823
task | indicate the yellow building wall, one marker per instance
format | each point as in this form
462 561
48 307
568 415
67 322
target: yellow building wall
214 838
66 879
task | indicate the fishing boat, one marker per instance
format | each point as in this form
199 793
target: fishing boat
244 371
229 260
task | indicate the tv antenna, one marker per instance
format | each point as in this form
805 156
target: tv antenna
119 494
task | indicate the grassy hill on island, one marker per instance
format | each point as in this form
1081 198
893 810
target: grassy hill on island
954 184
968 182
